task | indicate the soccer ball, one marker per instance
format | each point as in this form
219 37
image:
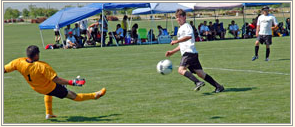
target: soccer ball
164 67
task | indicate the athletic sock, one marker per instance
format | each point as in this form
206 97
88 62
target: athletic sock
256 50
267 52
190 76
84 96
209 79
48 104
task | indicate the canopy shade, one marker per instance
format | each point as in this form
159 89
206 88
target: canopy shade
157 8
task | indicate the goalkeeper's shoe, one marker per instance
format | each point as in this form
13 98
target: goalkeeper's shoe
48 116
100 93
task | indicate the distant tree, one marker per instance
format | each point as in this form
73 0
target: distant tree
25 12
33 11
50 12
11 13
67 6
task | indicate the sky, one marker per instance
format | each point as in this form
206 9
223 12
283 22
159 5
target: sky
21 5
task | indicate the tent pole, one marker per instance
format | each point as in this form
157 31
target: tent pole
166 21
244 22
42 38
151 28
172 21
101 30
215 14
61 38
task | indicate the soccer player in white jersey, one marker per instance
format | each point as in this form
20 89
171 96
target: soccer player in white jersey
264 31
189 54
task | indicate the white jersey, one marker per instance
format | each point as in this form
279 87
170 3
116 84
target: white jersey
189 45
265 23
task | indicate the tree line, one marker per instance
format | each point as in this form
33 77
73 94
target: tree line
32 12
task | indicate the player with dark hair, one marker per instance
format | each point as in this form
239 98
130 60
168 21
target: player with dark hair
264 31
44 80
190 60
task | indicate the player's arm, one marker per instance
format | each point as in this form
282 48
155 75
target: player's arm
74 82
181 40
257 30
171 52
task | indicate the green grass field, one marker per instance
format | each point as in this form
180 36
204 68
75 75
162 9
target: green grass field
256 92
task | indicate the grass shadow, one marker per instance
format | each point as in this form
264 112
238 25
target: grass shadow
216 117
83 119
281 59
231 90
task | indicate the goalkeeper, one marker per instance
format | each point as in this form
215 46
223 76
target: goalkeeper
44 80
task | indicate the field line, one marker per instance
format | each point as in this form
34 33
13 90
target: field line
250 71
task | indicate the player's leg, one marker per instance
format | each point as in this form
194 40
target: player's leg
182 71
48 107
267 52
256 49
208 78
85 96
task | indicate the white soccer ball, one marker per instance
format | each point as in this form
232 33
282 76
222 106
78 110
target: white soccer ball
164 67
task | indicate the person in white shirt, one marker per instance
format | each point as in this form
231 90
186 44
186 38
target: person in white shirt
234 29
190 60
264 31
57 34
77 34
71 41
118 34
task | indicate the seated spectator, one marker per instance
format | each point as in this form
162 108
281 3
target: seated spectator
205 31
67 30
234 29
93 31
194 29
57 35
134 35
161 32
104 28
151 35
252 27
246 31
118 34
219 29
212 30
77 34
280 30
71 41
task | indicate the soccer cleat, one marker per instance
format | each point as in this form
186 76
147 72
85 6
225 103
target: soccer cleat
219 89
254 58
100 93
199 85
266 59
48 116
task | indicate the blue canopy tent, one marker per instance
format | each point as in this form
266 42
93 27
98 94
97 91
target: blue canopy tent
117 6
67 16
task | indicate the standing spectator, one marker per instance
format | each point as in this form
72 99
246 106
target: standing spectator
118 34
77 34
57 34
83 28
264 32
219 29
288 25
67 30
124 25
190 56
103 29
234 29
134 35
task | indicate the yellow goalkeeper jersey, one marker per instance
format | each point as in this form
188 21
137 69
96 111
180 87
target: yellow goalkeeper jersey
38 74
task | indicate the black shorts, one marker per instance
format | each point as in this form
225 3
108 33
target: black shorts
264 39
83 31
59 91
56 33
124 32
191 61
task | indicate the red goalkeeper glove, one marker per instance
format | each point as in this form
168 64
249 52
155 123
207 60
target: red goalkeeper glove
77 82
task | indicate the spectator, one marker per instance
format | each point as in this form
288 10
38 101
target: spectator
93 31
151 35
288 25
204 31
67 30
134 35
103 29
246 31
77 34
212 30
161 32
124 25
57 35
234 29
219 29
194 29
71 41
118 34
83 28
